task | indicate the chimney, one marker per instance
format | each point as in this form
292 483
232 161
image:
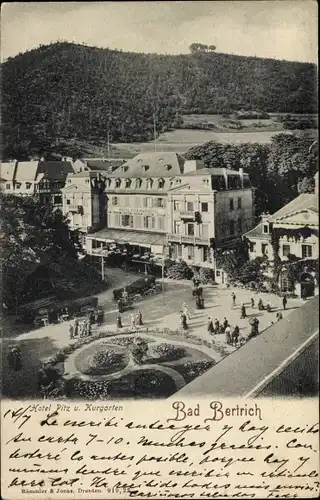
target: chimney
192 166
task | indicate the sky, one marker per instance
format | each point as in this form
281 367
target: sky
280 29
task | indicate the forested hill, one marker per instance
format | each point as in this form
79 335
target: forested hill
66 91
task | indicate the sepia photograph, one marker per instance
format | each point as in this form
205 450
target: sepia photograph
159 201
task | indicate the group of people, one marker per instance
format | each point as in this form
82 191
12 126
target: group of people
136 320
80 328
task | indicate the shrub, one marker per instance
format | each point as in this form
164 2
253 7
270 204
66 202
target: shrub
88 389
139 349
193 369
206 275
179 271
105 359
138 286
169 351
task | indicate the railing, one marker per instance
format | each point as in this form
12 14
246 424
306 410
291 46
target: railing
186 214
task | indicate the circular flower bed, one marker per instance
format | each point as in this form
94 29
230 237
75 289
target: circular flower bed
101 359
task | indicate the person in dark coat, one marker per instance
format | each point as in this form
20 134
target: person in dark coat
260 305
284 302
233 296
119 322
139 318
279 316
252 302
184 323
120 306
235 335
243 312
216 326
201 303
225 324
268 308
210 326
14 359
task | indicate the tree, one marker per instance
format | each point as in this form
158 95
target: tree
306 185
32 235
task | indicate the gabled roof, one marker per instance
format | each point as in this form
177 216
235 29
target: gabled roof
26 171
7 170
156 163
56 170
257 232
304 201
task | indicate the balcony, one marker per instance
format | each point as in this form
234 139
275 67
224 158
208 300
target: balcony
192 240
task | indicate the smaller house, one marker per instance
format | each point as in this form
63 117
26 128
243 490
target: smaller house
294 228
7 176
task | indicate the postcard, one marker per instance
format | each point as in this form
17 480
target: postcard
159 250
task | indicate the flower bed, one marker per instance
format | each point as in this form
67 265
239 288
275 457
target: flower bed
101 359
168 352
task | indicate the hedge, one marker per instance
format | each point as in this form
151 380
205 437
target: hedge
137 286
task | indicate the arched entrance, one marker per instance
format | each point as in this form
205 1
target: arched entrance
307 284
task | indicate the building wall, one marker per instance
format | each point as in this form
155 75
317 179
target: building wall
147 211
234 211
262 247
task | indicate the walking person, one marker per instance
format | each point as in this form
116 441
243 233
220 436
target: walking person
216 326
139 318
269 308
133 321
228 334
120 306
243 312
201 303
210 326
279 316
225 324
284 302
119 322
233 296
185 311
235 335
260 305
71 331
252 302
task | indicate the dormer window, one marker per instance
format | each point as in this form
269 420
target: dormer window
108 181
145 167
161 160
28 185
161 183
138 183
124 168
127 183
118 183
18 185
149 183
266 228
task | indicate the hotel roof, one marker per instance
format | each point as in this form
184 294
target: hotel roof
162 164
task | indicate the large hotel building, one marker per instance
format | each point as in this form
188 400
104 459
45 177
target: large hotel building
161 203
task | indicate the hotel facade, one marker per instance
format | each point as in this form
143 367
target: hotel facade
162 204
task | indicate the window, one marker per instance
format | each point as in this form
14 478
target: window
205 254
204 207
176 205
149 202
18 185
252 246
231 227
266 228
306 251
285 250
204 230
161 183
138 183
189 206
80 209
239 203
190 229
57 200
264 248
114 200
28 185
68 202
118 183
190 252
149 183
126 220
231 205
177 227
8 186
128 183
160 202
239 225
161 222
148 222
